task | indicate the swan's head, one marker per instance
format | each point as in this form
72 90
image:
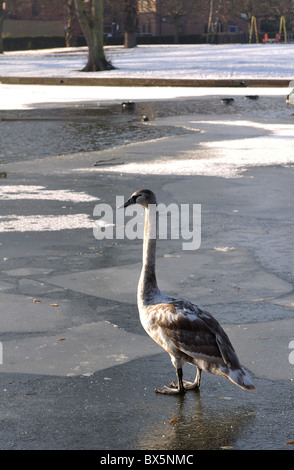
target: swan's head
142 197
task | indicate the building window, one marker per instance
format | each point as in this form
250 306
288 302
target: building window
143 5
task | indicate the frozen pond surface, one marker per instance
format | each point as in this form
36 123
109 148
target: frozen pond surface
79 371
89 127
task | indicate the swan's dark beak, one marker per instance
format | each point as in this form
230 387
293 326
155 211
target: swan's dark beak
130 201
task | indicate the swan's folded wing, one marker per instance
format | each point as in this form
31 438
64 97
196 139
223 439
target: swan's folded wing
197 333
225 346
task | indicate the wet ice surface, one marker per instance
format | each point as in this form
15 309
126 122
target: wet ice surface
78 370
51 130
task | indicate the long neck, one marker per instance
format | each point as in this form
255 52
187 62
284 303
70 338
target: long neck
147 287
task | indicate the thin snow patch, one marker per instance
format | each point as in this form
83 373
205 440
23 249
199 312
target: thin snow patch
44 223
12 192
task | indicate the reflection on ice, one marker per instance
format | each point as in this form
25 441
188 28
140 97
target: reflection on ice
199 423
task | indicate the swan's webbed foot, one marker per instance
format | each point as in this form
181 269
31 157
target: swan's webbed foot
174 389
165 390
187 385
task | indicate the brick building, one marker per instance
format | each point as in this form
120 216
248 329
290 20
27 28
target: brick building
49 18
157 19
34 18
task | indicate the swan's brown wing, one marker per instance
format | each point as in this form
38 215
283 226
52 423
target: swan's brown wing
196 332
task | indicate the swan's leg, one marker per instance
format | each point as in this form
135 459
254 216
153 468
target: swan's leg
173 390
190 385
196 383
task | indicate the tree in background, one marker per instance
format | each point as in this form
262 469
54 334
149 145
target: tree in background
1 25
130 22
249 8
72 22
219 13
113 13
174 12
90 14
177 13
281 8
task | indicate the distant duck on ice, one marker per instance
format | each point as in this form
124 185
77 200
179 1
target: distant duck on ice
128 105
228 100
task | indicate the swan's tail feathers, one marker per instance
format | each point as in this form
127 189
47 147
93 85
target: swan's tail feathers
241 378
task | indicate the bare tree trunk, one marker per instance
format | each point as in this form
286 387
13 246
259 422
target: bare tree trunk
176 34
71 35
130 23
130 40
92 26
1 25
210 25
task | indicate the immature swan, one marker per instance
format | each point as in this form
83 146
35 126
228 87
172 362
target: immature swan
188 333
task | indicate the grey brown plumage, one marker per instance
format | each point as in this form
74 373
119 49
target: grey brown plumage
187 332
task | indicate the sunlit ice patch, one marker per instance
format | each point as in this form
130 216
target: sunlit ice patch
43 223
11 192
222 158
40 223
